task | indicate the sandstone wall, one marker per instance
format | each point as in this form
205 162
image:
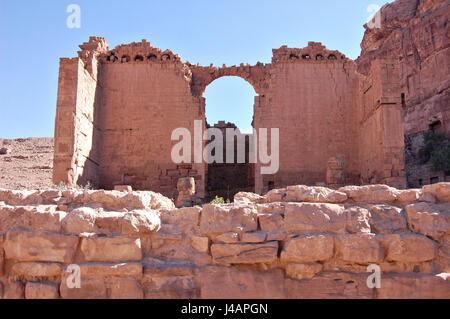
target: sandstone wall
142 103
312 103
296 242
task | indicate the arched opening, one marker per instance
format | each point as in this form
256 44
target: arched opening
229 106
332 57
306 57
138 58
125 58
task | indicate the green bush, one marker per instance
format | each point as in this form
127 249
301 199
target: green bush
435 151
219 200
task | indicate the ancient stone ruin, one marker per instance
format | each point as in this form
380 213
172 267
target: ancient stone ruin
304 232
118 107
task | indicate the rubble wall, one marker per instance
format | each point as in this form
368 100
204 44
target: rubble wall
296 242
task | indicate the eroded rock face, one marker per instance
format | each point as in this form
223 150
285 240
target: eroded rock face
252 248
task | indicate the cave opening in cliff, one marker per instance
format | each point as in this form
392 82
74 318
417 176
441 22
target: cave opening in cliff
229 106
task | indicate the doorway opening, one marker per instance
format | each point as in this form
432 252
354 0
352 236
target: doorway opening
229 108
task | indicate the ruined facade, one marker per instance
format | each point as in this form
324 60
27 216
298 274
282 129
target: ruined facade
118 107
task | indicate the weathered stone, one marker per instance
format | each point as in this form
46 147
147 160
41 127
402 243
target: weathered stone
359 248
331 285
270 222
408 196
175 287
36 270
302 193
40 246
413 286
244 253
186 219
370 193
111 249
387 219
227 218
201 244
275 195
80 220
246 197
231 283
13 290
98 269
429 219
43 217
40 290
308 248
408 247
128 223
358 220
312 217
141 222
163 268
440 190
90 288
124 288
254 237
228 238
303 271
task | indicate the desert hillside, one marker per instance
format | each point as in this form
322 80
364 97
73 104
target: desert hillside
26 163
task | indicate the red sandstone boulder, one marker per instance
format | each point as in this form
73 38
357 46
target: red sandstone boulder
358 220
371 193
408 247
41 290
244 253
302 193
40 246
246 197
387 219
42 217
90 288
308 248
314 217
429 219
80 220
127 223
36 270
413 286
440 190
232 283
359 248
226 218
303 271
111 249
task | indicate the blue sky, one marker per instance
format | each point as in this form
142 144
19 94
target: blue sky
34 35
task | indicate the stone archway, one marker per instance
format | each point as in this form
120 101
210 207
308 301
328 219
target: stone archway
225 179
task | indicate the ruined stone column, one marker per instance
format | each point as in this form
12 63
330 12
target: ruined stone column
186 192
335 172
